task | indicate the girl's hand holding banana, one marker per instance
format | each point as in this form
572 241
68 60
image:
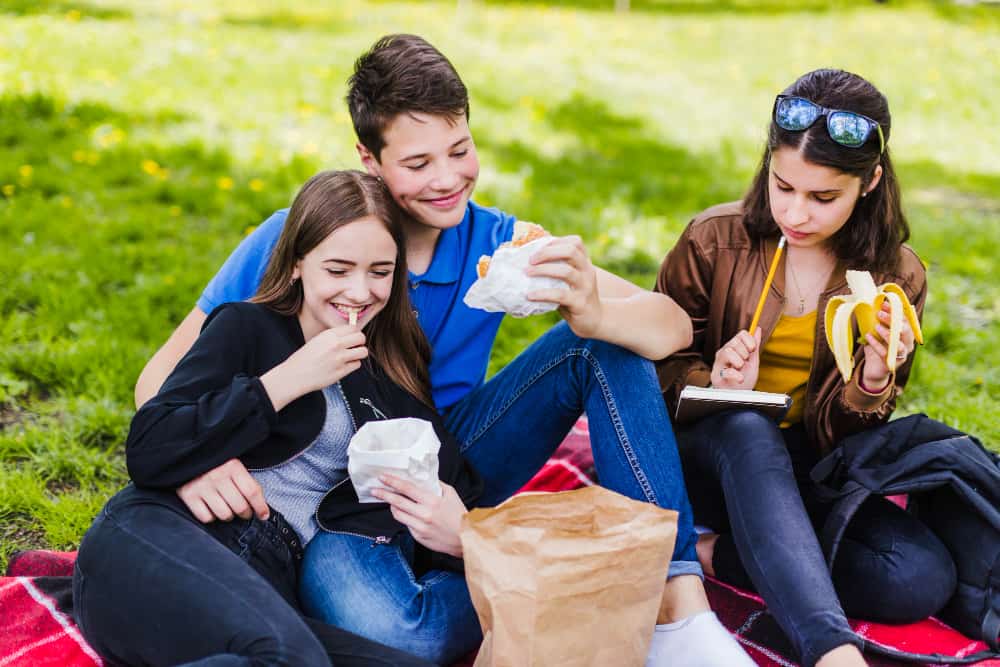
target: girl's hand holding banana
883 309
876 373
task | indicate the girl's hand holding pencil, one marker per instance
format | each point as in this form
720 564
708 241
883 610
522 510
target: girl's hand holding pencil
737 363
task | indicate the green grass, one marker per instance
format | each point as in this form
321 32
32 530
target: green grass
142 140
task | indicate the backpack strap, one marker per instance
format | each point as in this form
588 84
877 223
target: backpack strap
991 628
844 508
991 619
875 648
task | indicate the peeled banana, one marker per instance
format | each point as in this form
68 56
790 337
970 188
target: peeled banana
863 303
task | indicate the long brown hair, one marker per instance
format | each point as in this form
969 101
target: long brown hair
877 227
328 201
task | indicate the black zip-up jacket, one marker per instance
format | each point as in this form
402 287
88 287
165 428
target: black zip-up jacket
213 408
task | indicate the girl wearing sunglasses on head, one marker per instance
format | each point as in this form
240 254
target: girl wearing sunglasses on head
827 185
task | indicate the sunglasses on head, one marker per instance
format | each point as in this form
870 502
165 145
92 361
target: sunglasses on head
847 128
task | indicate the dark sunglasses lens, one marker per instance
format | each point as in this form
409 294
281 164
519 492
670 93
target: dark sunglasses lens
795 113
848 129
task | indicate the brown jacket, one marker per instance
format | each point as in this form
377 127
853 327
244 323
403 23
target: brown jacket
716 272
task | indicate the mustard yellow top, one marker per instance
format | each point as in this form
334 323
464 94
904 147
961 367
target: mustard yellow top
785 361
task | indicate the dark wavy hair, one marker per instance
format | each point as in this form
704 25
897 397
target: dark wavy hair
328 201
401 74
877 228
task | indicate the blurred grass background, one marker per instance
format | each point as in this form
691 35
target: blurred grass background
142 140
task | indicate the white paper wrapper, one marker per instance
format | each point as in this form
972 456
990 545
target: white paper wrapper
407 448
505 286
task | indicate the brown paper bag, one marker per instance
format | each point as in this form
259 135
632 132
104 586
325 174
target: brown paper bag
567 579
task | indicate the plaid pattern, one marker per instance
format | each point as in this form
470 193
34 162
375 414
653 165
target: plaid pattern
36 629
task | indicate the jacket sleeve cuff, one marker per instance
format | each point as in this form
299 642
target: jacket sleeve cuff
860 400
264 408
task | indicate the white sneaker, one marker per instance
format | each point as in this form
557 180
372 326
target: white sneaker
696 641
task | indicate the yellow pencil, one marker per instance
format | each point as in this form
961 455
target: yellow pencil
767 286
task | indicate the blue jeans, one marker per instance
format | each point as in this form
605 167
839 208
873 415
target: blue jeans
508 428
512 424
749 480
153 586
371 589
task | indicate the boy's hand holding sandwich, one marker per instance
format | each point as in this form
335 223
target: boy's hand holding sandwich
513 281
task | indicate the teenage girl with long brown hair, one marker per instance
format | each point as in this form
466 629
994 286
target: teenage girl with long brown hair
827 185
260 411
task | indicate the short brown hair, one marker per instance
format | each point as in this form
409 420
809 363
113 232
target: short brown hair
877 228
401 74
328 201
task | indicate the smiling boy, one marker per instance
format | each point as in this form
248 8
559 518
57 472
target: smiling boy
410 111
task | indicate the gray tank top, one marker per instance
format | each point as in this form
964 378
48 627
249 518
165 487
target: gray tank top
296 487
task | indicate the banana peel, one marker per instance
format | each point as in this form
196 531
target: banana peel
863 303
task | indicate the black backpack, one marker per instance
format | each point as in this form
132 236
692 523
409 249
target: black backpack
953 486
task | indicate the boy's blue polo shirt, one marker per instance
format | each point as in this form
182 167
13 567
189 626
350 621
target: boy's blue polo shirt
461 337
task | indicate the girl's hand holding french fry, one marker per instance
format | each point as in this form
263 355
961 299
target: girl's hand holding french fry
323 360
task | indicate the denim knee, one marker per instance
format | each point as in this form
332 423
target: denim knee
746 440
892 568
371 590
608 355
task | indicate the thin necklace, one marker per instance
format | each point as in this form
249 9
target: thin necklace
791 269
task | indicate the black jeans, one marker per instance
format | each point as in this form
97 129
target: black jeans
749 481
153 586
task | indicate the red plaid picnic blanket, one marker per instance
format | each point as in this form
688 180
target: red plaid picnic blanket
36 628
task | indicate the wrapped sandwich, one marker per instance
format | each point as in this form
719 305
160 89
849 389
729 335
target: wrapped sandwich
503 285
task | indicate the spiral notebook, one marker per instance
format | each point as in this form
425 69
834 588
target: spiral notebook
698 402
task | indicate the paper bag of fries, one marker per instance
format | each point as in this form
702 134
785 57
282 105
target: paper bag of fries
407 448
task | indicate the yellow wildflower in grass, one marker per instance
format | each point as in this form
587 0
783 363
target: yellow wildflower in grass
174 211
66 202
26 170
79 156
249 230
8 190
73 15
224 183
151 167
256 184
110 137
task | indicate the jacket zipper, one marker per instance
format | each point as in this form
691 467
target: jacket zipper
378 413
354 425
